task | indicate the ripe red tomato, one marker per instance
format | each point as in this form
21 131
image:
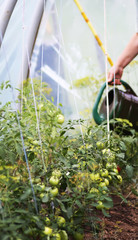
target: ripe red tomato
119 169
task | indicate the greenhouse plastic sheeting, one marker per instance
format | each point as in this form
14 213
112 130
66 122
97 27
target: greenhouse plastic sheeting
65 53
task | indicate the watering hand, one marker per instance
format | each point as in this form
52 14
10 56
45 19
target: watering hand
116 71
117 82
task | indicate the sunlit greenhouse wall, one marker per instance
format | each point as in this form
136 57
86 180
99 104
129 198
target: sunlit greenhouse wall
56 46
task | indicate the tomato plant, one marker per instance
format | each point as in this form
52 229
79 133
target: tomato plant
49 188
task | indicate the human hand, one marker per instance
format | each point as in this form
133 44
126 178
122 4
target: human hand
115 71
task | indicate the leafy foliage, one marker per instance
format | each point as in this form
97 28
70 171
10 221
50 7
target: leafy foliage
86 167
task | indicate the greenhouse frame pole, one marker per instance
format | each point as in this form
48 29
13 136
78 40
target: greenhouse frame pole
31 38
6 13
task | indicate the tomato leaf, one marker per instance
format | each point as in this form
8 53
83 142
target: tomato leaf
129 171
26 194
69 212
45 199
105 213
61 205
134 191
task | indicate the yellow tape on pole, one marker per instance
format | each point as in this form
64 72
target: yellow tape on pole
93 31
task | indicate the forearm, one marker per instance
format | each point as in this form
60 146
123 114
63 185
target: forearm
129 52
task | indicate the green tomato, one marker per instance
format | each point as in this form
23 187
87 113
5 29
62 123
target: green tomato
97 176
60 118
54 181
94 190
78 236
48 231
115 170
47 221
61 221
108 165
42 186
119 178
102 184
42 195
100 145
110 178
104 173
106 181
100 205
56 173
63 235
54 192
37 180
56 236
106 151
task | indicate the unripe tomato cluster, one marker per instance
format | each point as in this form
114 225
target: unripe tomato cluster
59 234
106 174
54 182
105 177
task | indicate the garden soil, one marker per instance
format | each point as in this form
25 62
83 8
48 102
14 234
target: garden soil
122 223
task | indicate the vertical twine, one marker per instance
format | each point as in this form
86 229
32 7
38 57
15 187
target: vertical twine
23 44
107 99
